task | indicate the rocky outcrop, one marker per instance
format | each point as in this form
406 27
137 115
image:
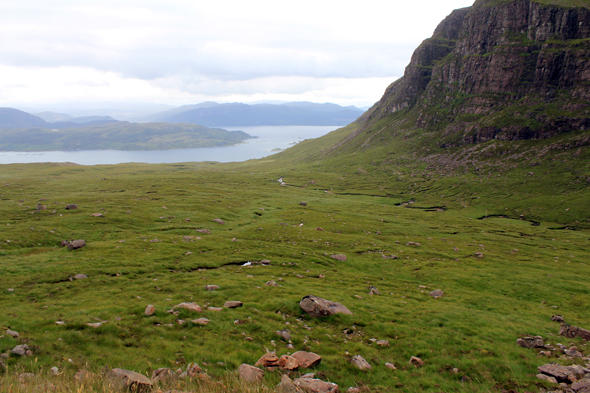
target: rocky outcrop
319 307
510 70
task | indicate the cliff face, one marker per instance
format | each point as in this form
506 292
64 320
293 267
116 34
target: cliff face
499 69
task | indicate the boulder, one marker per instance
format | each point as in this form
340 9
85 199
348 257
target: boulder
130 380
557 371
582 386
212 287
531 342
189 306
557 318
193 370
313 385
360 362
307 359
12 333
271 284
546 378
413 244
97 215
319 307
269 359
574 331
250 373
71 206
287 385
339 257
218 220
437 293
75 244
80 276
287 362
383 343
162 374
416 361
150 310
203 230
233 304
200 321
20 350
284 334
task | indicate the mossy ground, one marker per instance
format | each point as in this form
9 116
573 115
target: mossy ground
528 273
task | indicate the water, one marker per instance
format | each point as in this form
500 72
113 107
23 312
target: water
269 138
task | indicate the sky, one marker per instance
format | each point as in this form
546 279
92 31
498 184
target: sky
179 52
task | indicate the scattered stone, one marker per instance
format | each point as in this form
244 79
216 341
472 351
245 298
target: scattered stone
339 257
131 380
193 369
20 350
189 306
557 318
250 373
307 359
150 310
203 230
218 220
233 304
71 206
479 255
95 325
162 374
80 276
215 308
302 203
315 385
82 375
212 287
416 361
156 240
319 307
269 359
287 362
12 333
271 284
41 207
390 366
574 353
383 343
97 215
559 372
75 244
413 244
287 385
284 334
373 290
60 323
570 331
200 321
582 386
360 362
437 293
319 229
389 256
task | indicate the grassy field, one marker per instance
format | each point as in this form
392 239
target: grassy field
527 272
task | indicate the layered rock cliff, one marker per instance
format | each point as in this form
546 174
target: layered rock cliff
501 69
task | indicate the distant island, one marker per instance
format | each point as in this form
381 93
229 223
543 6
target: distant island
21 131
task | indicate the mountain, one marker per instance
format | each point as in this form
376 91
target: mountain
52 117
13 118
211 114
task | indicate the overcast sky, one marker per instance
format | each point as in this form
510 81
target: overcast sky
179 52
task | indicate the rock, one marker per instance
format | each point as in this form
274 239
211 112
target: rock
390 366
162 374
287 362
271 284
574 353
200 321
203 230
582 386
360 362
269 359
54 371
557 318
319 307
383 343
315 385
233 304
250 373
71 206
150 310
479 255
193 369
339 257
130 380
20 350
284 334
373 290
97 215
41 207
531 342
80 276
215 308
76 244
547 378
287 385
218 220
320 229
302 203
64 243
559 372
189 306
574 331
416 361
212 287
12 333
307 359
95 325
413 244
437 293
82 375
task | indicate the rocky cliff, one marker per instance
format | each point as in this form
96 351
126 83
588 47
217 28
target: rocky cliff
501 69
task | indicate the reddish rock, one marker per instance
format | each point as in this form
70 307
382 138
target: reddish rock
200 321
315 385
71 206
269 359
416 361
574 331
218 220
437 293
233 304
130 380
97 215
271 284
287 362
339 257
360 362
211 287
150 310
287 385
307 359
319 307
383 343
413 244
193 369
250 373
76 244
390 366
559 372
162 374
531 342
373 290
203 231
189 306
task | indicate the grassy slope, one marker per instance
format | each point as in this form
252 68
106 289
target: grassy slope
488 303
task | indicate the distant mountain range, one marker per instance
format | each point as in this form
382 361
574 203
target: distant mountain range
13 118
212 114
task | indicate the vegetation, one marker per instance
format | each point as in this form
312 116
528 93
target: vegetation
119 136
